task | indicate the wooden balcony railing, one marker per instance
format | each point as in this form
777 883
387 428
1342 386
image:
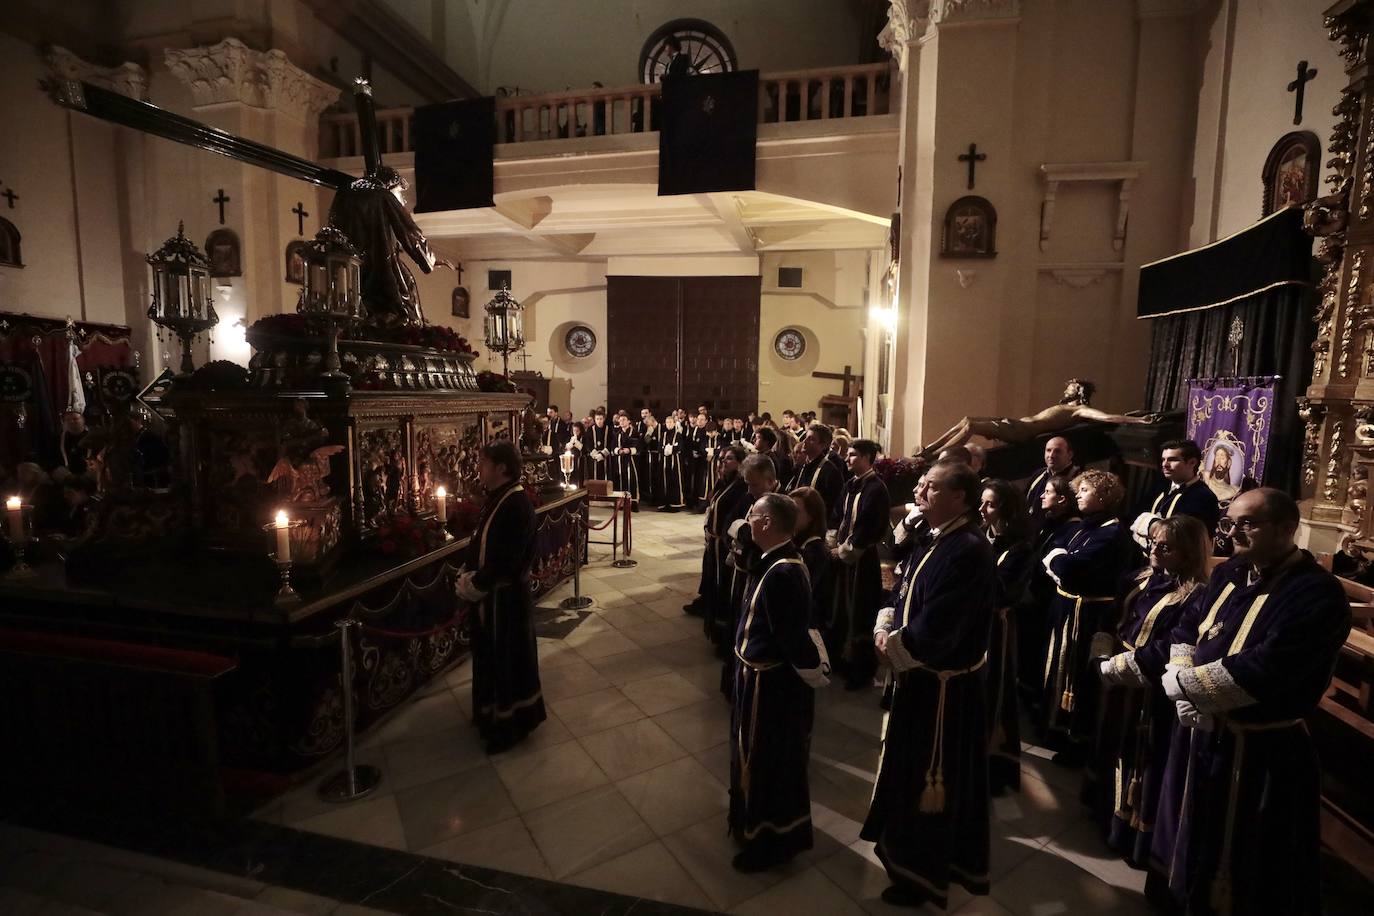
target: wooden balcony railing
798 95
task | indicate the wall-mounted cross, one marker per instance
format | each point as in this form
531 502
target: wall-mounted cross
1298 86
10 197
845 377
221 200
459 268
301 214
972 157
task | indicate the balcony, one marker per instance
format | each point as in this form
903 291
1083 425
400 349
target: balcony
833 93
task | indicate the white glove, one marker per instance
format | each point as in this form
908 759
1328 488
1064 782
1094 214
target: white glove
667 450
467 590
546 449
1107 671
1190 717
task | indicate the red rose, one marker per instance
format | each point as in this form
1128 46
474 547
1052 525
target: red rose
388 546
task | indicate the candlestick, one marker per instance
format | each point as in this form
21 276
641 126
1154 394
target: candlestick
14 508
441 499
565 464
283 537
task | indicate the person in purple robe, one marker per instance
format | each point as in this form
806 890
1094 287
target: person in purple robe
928 817
859 580
1122 780
1237 830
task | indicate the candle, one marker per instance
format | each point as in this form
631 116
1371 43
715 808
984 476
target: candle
441 497
283 537
565 462
14 507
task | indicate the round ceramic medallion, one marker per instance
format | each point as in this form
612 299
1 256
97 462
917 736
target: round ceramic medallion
580 341
789 344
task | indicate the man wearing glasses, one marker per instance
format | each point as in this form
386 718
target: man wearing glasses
1237 826
781 661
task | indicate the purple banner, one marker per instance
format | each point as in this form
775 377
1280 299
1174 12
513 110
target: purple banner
1229 419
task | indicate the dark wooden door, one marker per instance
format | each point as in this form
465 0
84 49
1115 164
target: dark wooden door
682 341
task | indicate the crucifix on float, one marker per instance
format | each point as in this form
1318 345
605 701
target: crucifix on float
1298 86
972 157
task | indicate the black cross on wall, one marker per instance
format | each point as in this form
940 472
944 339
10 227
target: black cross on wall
972 157
301 214
221 200
1298 86
10 196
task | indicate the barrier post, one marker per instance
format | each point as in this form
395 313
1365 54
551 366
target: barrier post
578 600
354 781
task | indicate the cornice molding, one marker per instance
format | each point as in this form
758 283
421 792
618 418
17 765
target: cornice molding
1165 9
233 72
126 79
948 12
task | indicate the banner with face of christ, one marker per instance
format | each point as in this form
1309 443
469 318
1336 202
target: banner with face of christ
1230 423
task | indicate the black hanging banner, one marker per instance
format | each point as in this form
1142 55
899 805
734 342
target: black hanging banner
710 125
1273 252
454 150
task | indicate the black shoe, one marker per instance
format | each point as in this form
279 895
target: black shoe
504 741
694 609
903 895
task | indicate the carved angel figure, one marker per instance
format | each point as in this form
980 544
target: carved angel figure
306 480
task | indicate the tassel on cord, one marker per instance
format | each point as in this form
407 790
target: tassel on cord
933 795
1066 699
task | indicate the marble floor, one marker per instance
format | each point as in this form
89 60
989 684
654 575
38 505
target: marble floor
623 789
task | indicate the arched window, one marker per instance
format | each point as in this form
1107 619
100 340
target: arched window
705 47
9 245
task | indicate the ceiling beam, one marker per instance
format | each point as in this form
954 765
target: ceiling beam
523 216
726 207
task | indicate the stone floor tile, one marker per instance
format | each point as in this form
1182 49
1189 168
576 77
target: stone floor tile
507 846
675 795
586 830
452 806
650 873
631 748
542 777
598 711
662 694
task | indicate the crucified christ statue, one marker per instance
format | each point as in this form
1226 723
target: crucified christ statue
1072 408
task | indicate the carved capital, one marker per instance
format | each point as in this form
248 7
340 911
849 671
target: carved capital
233 72
906 21
944 12
126 79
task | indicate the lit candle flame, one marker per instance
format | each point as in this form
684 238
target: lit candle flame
440 492
283 520
13 503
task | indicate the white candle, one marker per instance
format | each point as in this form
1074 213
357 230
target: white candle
441 497
283 537
14 507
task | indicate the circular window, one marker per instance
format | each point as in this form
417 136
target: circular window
704 47
790 344
580 341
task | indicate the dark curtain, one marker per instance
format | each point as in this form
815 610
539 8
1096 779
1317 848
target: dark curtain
1278 341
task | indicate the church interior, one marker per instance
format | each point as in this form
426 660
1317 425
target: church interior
751 456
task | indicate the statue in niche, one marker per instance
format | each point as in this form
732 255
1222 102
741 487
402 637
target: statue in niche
1072 408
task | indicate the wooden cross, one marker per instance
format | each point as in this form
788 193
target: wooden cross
10 196
1298 86
845 377
459 268
301 214
221 200
972 157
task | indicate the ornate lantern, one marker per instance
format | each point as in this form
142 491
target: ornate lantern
504 327
181 293
332 288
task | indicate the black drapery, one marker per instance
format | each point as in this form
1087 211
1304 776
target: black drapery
1265 277
455 145
710 125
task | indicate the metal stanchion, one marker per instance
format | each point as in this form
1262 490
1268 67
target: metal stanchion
624 562
354 781
578 600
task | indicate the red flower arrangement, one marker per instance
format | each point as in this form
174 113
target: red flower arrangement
429 336
495 381
405 536
463 517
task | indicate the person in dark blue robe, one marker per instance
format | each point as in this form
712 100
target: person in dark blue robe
766 443
1182 491
740 555
1059 462
623 446
781 661
675 473
1122 781
929 814
596 445
810 542
713 590
1238 824
1058 520
859 578
507 700
819 473
1005 523
708 473
650 459
1086 572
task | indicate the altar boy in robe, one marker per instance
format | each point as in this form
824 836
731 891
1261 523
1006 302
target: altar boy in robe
507 701
929 812
675 481
623 445
596 447
781 660
819 473
859 577
1237 829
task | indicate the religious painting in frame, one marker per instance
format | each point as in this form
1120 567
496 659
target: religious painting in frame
970 229
295 262
9 245
460 302
1290 171
222 248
